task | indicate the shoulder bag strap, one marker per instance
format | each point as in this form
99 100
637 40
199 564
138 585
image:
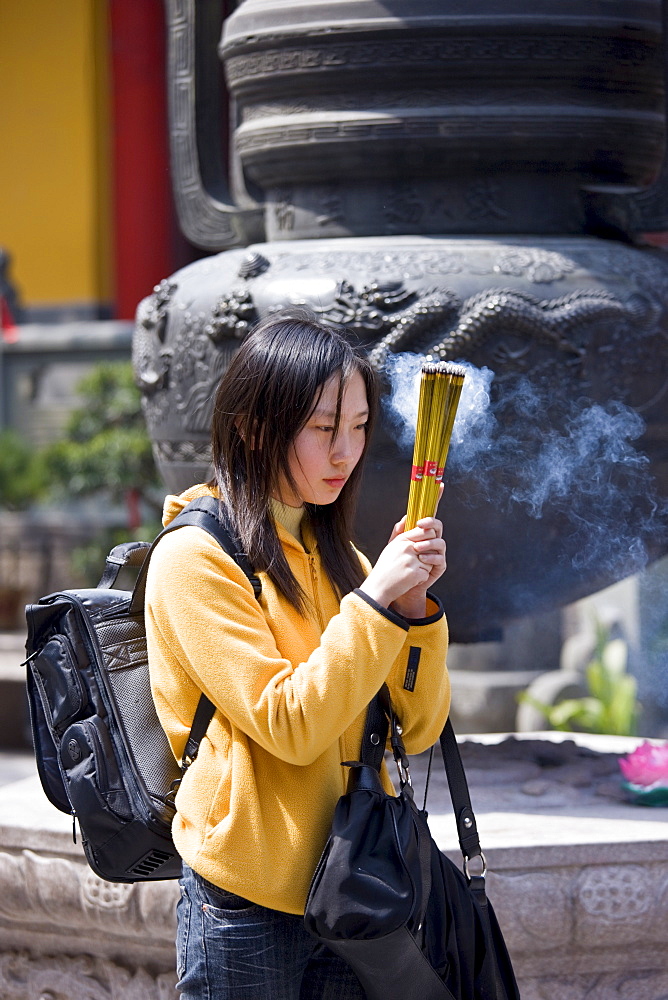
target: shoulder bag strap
374 737
205 513
379 713
467 830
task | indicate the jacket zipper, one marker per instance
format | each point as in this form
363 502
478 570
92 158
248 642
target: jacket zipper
314 588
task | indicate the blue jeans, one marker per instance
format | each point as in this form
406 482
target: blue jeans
230 949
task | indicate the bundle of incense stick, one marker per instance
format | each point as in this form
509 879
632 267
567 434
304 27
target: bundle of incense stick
440 389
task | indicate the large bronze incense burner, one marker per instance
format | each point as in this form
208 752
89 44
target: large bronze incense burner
472 180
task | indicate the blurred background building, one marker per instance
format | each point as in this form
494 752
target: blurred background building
87 228
85 204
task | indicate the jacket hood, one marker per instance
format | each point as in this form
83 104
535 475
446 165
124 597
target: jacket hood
174 504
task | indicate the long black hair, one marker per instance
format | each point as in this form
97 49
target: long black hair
264 399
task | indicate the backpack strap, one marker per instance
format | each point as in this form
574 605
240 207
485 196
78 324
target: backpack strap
207 513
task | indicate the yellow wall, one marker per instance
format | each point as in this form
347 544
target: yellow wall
54 150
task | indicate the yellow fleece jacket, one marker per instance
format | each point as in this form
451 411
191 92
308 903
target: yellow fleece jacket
254 809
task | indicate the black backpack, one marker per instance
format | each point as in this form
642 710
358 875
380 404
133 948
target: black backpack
101 753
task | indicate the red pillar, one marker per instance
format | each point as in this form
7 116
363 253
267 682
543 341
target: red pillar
146 246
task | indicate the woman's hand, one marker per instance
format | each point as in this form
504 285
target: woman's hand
432 553
410 563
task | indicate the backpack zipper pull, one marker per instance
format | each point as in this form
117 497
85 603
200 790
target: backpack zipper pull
74 827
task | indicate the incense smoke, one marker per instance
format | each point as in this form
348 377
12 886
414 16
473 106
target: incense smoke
511 447
474 423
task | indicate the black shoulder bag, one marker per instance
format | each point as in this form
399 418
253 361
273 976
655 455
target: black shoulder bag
383 897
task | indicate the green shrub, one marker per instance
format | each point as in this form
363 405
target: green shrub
23 478
106 453
611 705
106 449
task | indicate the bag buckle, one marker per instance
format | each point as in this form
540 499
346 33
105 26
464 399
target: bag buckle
483 862
170 797
404 772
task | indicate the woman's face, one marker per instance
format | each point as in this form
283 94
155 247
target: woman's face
320 463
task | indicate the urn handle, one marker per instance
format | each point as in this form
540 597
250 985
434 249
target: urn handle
207 214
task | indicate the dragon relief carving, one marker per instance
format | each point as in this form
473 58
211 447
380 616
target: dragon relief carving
547 321
232 316
437 322
391 315
199 362
202 349
365 312
151 356
202 346
467 326
181 375
388 308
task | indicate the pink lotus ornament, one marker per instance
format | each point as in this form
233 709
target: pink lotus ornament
646 773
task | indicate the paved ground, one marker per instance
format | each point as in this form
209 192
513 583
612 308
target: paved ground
14 729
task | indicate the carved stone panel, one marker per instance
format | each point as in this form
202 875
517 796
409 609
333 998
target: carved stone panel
24 976
56 895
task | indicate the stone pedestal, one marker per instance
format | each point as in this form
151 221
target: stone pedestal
578 879
65 934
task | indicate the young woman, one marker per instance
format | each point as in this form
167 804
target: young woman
290 675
